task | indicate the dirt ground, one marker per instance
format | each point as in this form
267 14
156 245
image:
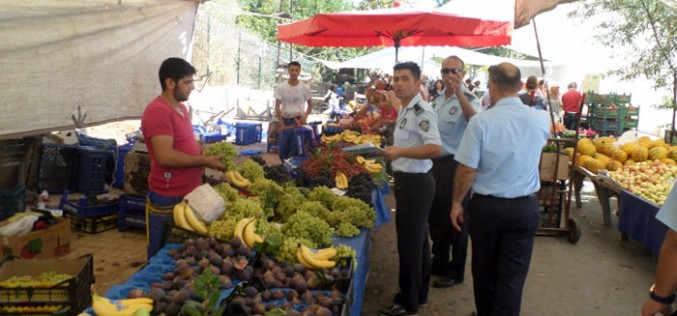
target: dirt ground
600 275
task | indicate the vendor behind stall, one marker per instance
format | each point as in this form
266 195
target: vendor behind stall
176 157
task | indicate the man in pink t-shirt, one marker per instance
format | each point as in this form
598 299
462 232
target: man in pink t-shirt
176 157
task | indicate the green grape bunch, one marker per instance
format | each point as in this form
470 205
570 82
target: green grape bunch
223 148
305 226
251 170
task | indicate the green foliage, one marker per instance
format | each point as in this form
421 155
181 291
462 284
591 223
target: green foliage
649 27
207 289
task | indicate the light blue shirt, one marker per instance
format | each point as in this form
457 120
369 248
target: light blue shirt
668 212
451 121
416 126
504 147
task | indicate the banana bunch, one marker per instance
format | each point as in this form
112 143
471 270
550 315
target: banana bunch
330 139
316 260
341 180
127 307
185 217
236 179
375 139
245 229
370 164
349 136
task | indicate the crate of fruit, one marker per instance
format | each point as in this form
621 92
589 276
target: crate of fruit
46 287
132 212
601 99
93 224
88 207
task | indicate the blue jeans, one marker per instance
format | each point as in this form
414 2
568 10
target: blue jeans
159 210
285 141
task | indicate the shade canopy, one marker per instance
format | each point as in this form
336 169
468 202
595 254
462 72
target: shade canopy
447 25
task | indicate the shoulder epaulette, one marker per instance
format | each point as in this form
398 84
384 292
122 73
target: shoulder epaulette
418 109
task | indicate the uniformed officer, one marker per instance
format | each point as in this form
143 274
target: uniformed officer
499 156
454 107
417 140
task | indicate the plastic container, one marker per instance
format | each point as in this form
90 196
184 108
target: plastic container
88 208
12 201
93 170
57 168
247 133
92 225
119 178
132 212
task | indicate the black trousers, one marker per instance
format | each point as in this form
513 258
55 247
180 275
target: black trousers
570 120
413 194
502 232
445 238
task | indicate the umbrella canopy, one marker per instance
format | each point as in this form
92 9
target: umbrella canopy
397 27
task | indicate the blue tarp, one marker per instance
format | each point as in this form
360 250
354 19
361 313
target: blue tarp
637 219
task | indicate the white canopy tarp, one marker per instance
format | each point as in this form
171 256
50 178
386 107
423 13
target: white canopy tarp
384 59
99 55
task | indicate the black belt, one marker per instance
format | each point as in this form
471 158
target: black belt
488 196
410 174
443 158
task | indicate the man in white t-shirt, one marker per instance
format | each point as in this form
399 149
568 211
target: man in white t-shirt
291 97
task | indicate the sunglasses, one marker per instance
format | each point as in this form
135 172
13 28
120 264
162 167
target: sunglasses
451 70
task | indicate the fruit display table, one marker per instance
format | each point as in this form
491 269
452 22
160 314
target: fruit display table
604 187
637 220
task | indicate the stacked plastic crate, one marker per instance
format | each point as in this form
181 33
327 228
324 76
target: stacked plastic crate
611 114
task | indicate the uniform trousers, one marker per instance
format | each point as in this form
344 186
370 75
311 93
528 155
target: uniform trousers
414 193
445 238
502 232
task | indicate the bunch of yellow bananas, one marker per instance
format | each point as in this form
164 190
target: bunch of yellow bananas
341 180
330 139
371 138
235 178
316 260
185 217
370 164
20 310
245 229
350 136
125 307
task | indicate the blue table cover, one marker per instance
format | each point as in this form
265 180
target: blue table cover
638 221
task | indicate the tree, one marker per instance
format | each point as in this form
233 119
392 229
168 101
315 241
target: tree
650 28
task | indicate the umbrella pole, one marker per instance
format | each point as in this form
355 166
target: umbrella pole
547 88
397 48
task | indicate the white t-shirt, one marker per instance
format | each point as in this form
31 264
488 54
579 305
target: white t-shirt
294 98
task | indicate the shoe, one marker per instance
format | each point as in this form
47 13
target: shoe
446 282
396 310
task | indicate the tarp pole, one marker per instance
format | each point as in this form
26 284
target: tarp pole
547 86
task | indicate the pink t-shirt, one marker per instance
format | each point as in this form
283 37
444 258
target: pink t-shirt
160 119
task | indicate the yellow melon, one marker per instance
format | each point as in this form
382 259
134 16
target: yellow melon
614 165
657 143
582 159
570 152
618 154
587 149
594 165
658 152
672 153
604 159
603 147
640 154
644 141
629 162
669 161
629 147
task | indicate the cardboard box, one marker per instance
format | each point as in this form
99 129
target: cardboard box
548 168
137 169
42 244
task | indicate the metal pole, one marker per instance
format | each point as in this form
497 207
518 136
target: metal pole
291 7
239 35
279 44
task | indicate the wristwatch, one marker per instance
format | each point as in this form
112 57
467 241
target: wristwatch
665 300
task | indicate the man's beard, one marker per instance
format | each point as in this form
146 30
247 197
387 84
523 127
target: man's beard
180 96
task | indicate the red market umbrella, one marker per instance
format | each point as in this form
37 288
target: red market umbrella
396 27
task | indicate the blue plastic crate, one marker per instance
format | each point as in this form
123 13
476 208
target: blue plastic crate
303 140
100 143
132 212
12 201
247 133
57 168
119 179
213 137
88 208
93 169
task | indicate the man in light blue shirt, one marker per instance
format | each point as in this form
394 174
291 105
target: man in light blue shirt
499 156
454 107
416 141
662 293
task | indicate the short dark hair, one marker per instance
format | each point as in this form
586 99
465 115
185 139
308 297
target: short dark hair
506 76
571 85
174 68
468 81
411 66
294 63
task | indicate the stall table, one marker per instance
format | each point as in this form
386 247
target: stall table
604 187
